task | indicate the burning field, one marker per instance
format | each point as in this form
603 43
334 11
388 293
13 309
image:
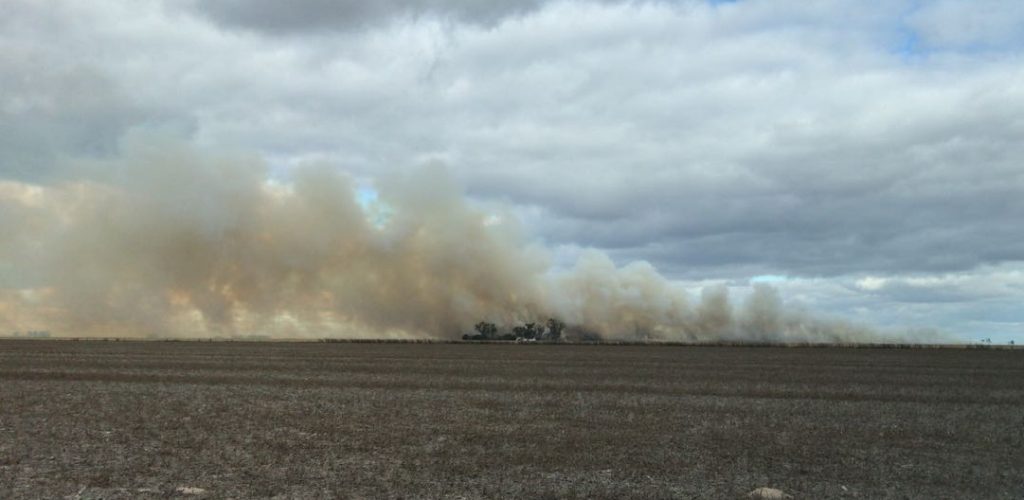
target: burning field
93 419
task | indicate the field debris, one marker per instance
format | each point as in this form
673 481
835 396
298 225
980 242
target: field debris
766 493
190 490
110 493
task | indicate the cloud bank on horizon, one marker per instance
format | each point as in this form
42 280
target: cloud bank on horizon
864 161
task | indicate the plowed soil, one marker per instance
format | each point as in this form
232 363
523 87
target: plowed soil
90 419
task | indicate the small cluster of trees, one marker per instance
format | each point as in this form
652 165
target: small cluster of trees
527 331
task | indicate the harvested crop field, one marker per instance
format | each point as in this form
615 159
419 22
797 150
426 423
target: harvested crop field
313 420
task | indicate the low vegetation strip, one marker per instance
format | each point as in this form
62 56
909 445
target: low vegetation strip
300 420
595 342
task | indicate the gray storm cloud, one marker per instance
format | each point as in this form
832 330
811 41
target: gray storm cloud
167 241
320 15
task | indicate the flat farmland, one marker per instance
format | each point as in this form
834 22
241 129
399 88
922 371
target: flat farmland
90 419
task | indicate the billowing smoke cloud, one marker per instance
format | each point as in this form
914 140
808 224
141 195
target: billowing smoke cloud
166 241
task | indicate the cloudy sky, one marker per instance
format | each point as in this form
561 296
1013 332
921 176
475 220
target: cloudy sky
865 158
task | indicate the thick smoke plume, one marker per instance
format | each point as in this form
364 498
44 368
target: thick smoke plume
169 242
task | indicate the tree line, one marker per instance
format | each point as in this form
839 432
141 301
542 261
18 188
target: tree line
527 331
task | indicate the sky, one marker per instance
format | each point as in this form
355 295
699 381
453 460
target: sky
864 159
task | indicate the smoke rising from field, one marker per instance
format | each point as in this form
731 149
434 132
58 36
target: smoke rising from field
166 241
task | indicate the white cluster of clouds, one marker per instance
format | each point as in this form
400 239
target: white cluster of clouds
870 153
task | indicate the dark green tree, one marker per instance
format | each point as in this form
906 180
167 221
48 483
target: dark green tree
486 330
555 328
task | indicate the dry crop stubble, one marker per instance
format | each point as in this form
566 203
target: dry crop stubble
131 419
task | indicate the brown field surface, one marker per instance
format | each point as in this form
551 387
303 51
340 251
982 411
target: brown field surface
362 420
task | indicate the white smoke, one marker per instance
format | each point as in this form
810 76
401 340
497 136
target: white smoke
166 241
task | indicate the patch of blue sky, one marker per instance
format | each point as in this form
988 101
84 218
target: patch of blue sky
992 32
377 212
907 41
278 168
908 45
366 196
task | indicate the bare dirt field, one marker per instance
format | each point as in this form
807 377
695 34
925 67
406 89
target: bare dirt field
323 420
